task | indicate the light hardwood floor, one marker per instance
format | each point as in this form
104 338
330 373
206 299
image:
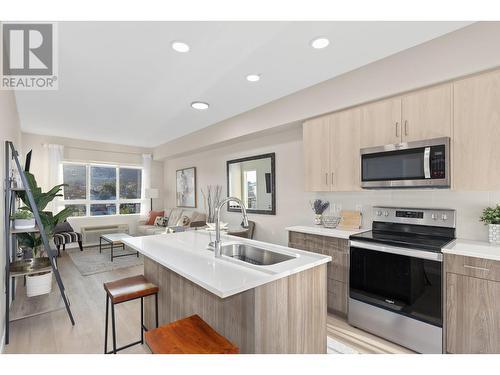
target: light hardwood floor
359 340
52 332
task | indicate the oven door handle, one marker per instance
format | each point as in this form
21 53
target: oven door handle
429 255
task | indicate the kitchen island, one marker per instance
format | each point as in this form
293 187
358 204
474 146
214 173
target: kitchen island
276 308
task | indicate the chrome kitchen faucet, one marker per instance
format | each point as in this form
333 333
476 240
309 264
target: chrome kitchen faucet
217 243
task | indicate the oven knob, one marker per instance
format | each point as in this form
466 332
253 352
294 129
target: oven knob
434 217
444 217
386 213
379 213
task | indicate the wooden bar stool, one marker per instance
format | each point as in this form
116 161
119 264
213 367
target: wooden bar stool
191 335
124 290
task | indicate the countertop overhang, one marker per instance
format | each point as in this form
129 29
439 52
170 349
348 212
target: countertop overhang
187 254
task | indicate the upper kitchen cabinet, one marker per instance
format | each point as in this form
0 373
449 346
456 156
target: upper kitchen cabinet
344 146
476 130
316 142
426 113
331 152
381 123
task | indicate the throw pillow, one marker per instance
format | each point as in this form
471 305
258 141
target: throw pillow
159 221
63 227
152 217
183 221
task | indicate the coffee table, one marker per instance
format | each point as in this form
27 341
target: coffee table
115 239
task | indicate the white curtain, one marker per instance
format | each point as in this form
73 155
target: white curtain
55 156
146 181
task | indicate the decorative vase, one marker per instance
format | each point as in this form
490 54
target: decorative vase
318 219
494 233
38 284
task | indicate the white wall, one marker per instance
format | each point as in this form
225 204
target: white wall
99 152
9 131
292 203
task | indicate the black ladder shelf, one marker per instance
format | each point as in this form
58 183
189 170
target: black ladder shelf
11 241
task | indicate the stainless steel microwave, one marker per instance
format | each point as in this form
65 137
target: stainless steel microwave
405 165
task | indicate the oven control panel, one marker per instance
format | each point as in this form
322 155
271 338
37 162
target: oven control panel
418 216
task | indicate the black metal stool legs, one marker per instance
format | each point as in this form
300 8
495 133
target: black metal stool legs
113 325
156 309
106 328
142 320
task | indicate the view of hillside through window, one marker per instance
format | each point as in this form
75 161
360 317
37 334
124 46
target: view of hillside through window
102 190
76 178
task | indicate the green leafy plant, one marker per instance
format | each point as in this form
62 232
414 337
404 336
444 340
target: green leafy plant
49 220
491 215
22 215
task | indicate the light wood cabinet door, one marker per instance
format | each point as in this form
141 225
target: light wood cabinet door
476 131
381 123
316 141
345 157
472 315
427 113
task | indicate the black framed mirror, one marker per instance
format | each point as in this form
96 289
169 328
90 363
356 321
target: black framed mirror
253 180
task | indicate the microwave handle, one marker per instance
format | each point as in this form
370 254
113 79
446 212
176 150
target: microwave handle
427 162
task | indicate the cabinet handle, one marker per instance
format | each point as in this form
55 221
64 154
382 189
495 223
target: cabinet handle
332 178
397 129
406 127
476 268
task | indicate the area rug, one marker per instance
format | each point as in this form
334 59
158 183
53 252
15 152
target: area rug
90 261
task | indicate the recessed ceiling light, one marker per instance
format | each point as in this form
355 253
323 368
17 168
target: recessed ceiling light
253 77
180 46
320 43
199 105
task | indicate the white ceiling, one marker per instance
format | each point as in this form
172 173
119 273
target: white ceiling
120 82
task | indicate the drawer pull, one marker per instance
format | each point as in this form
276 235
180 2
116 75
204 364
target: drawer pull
476 268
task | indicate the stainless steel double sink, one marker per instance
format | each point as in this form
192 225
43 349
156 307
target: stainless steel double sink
253 255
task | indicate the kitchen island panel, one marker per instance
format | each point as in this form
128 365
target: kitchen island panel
287 315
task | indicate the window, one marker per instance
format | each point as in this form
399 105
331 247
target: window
76 177
78 209
98 190
130 183
102 183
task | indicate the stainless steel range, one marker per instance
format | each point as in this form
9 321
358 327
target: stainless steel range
396 276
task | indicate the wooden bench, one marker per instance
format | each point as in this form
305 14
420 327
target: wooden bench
190 335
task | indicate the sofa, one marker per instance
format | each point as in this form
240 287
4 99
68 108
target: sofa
177 217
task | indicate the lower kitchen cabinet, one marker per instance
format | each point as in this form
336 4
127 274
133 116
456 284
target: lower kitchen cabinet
472 305
337 269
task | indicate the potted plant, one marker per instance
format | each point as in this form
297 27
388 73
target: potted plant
40 283
318 206
491 217
23 219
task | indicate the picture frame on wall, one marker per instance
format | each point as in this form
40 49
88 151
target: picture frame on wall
186 187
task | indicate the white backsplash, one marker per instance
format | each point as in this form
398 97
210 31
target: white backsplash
468 205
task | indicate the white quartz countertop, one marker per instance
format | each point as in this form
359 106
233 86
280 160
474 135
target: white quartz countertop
321 231
186 254
476 249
